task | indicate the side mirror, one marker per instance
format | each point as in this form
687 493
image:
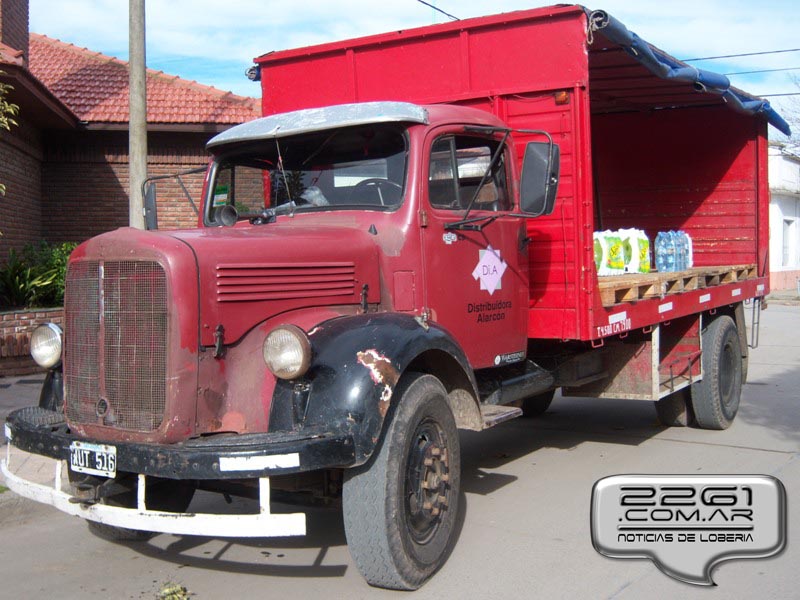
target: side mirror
150 214
540 169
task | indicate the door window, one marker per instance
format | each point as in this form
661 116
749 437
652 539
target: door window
457 165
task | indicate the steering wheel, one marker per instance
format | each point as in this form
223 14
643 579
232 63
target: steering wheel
376 182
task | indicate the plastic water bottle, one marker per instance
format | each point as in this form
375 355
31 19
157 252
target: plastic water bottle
672 251
665 251
689 252
681 251
659 251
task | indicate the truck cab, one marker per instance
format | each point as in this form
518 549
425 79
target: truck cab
354 267
430 193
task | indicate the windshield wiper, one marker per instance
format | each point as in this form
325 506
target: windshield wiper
465 223
268 214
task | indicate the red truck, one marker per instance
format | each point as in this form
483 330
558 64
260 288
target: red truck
400 248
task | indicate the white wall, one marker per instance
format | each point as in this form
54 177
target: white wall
784 211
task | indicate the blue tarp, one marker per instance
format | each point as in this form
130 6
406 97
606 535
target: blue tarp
666 67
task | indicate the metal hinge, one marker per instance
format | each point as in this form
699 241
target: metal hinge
219 337
423 218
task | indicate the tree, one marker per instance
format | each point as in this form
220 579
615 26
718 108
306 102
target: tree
8 111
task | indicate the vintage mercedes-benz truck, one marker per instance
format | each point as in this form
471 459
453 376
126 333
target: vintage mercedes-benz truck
400 248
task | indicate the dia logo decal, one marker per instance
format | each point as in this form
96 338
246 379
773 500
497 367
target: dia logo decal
489 270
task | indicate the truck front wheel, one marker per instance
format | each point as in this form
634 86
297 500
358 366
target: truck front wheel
400 507
715 398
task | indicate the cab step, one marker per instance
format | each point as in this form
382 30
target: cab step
494 414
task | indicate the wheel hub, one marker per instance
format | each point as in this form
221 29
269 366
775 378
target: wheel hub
427 482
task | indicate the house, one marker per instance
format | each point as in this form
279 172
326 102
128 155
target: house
784 218
65 166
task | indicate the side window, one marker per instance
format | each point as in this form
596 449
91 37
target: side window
240 186
457 166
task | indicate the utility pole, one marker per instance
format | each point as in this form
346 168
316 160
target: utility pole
137 126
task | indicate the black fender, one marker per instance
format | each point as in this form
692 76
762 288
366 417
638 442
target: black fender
357 361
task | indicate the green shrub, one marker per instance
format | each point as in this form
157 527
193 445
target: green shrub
35 279
50 257
22 285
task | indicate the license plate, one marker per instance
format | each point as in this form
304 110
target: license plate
93 459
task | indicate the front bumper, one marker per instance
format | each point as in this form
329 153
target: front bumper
224 457
227 456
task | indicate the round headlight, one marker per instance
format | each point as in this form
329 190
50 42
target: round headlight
287 352
46 345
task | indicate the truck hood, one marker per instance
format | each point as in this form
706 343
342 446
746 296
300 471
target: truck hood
248 274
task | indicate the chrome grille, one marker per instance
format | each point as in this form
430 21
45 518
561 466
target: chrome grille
115 343
255 282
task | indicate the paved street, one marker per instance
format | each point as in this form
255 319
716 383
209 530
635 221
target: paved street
525 525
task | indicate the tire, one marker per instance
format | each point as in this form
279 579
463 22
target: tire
675 410
536 406
40 417
400 533
171 496
715 398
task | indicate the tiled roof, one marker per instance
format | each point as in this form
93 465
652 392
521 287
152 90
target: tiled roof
10 56
95 87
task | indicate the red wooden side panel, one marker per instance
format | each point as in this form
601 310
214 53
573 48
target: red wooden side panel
554 248
690 169
519 52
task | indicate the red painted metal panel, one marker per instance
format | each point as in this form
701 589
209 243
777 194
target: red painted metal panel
705 184
763 201
518 52
700 167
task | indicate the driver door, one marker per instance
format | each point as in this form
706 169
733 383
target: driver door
476 274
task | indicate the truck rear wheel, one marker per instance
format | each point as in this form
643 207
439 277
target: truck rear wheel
400 507
715 398
169 496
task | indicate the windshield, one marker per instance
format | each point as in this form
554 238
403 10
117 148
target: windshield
350 168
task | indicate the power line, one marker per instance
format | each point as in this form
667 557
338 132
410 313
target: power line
738 55
777 95
764 71
437 9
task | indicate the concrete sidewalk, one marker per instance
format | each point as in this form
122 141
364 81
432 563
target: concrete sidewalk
784 297
16 392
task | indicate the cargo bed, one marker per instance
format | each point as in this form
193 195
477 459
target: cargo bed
646 142
632 287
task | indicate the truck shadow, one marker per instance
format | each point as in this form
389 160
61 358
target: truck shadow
569 423
325 531
325 535
481 453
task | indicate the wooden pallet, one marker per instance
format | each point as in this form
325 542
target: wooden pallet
632 287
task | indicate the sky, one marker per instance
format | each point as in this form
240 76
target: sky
214 42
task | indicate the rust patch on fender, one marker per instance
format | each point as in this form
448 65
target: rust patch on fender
382 372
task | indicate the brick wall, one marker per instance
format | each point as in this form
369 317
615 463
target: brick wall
21 172
85 181
15 341
14 24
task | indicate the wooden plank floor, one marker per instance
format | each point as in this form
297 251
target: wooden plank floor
631 287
